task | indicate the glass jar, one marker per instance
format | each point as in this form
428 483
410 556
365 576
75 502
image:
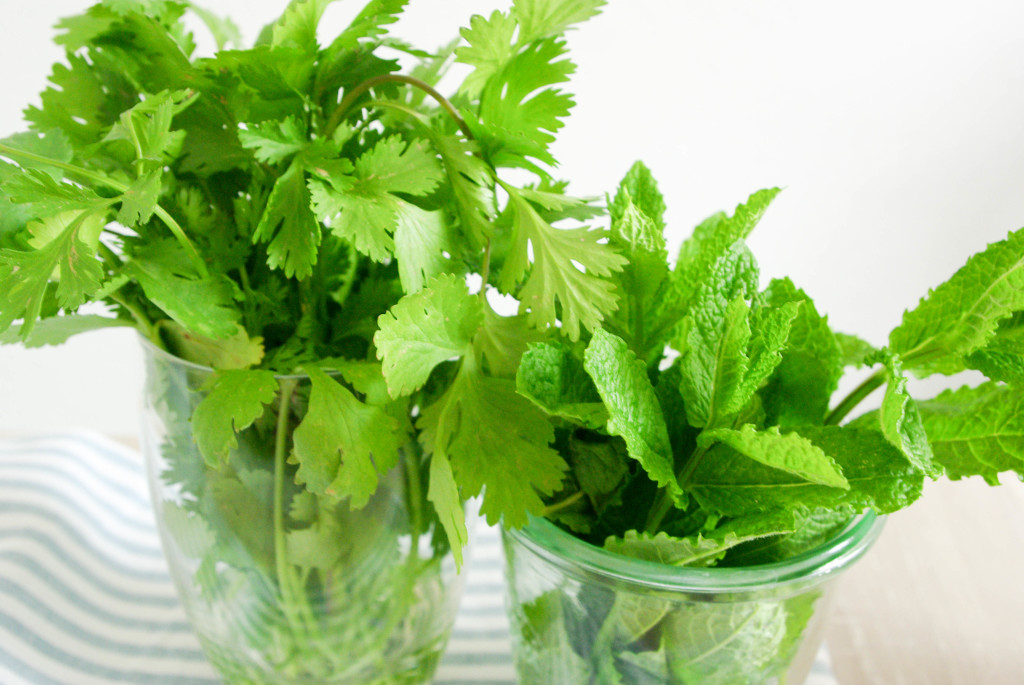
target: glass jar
580 614
281 586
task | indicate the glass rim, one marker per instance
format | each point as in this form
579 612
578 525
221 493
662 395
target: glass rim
569 553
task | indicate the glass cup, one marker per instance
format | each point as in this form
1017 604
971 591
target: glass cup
283 587
580 614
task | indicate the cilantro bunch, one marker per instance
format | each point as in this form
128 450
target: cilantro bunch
298 207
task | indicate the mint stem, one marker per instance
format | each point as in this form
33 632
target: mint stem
857 396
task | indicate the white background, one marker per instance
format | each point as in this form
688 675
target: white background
895 127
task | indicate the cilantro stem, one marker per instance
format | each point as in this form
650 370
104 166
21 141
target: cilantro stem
858 394
564 504
414 494
347 102
167 219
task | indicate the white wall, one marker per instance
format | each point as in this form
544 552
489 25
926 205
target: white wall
894 125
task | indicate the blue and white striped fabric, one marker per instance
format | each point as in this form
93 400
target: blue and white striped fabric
85 597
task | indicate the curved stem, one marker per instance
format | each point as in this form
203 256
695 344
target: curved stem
351 96
167 219
858 394
564 504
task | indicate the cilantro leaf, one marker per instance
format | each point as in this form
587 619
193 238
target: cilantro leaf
235 400
56 330
202 304
977 431
424 329
496 438
443 493
489 46
543 18
961 315
342 444
421 240
273 142
298 25
289 226
633 409
364 208
554 279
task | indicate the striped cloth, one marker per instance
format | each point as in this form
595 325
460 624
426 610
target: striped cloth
85 597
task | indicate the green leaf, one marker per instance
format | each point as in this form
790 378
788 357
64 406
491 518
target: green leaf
554 379
298 25
703 549
554 282
369 23
146 128
961 315
290 227
639 238
364 208
421 240
443 493
343 445
225 32
853 350
472 185
901 421
489 47
140 200
787 452
56 330
544 18
236 352
201 304
977 431
235 400
723 643
68 251
811 529
272 142
1002 359
424 329
547 654
52 145
729 483
639 190
633 409
497 439
799 390
502 341
713 239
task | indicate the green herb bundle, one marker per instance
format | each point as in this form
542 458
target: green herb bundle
297 206
701 430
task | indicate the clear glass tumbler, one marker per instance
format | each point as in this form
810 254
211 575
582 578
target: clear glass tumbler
283 587
582 615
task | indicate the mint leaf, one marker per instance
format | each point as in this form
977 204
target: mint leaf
424 329
342 445
714 338
961 315
799 390
633 409
289 226
554 281
703 549
1002 359
879 478
853 350
639 190
712 240
235 400
901 421
787 452
547 651
554 379
722 643
977 431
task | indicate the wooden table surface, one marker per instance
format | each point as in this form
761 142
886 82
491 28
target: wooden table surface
939 600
